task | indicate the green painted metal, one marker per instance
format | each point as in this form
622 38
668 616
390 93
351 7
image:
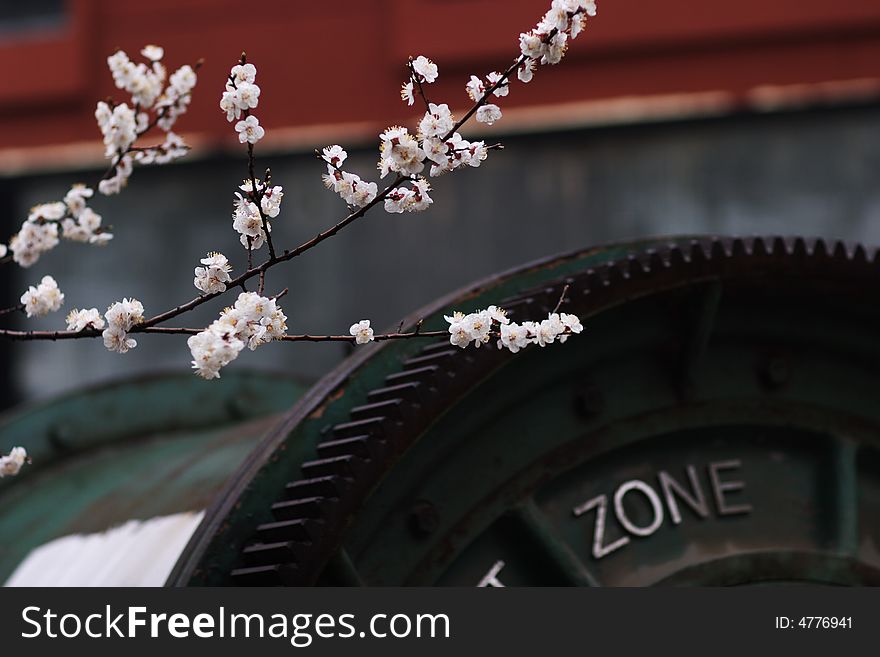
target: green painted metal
757 359
135 449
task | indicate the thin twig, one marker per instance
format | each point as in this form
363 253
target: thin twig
179 330
561 299
284 257
6 311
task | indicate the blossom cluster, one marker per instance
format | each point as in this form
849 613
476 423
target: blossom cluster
254 320
547 43
478 328
349 186
252 211
121 317
40 231
242 94
213 277
11 464
437 142
79 320
42 299
156 99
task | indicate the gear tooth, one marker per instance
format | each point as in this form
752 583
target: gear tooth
655 261
677 256
779 248
840 251
860 255
760 247
799 247
876 259
614 273
718 249
698 251
635 266
738 248
820 249
595 282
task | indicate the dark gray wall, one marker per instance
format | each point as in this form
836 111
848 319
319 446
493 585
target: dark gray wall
808 173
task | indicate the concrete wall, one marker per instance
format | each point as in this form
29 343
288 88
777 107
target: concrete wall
815 173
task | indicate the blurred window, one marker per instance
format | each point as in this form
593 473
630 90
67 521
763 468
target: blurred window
31 16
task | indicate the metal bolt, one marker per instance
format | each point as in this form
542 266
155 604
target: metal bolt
589 401
424 519
775 371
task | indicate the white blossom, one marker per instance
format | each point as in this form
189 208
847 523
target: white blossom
247 95
11 464
475 88
361 331
42 299
526 71
478 327
182 81
75 199
396 200
213 277
229 104
32 240
78 320
555 49
400 152
437 121
502 89
350 187
531 45
253 320
115 339
119 179
514 337
419 200
121 316
459 334
425 68
213 349
406 93
249 130
153 53
241 93
548 330
244 73
47 212
334 155
271 201
143 82
3 250
246 220
488 114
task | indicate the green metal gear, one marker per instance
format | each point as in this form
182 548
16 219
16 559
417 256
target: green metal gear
716 423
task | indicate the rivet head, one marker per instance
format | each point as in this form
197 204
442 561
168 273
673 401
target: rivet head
589 401
774 371
424 519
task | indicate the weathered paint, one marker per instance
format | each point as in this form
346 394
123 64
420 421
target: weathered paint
133 450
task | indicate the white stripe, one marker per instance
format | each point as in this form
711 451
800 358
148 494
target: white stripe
138 553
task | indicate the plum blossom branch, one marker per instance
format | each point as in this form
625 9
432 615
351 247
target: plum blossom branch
254 319
121 126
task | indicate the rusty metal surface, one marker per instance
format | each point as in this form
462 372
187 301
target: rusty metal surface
409 468
132 450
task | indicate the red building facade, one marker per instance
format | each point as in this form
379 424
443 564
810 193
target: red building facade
333 70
